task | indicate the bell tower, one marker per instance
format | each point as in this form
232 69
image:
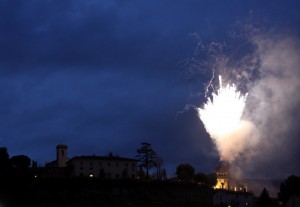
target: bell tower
223 176
61 155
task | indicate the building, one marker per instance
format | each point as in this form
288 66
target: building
232 198
56 168
61 157
106 167
225 181
223 176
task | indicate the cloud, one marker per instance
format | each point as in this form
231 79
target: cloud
273 106
89 34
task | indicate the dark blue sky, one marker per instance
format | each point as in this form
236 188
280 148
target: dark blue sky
104 76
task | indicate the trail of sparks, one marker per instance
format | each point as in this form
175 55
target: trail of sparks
210 84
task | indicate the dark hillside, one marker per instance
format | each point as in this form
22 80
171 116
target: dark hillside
93 192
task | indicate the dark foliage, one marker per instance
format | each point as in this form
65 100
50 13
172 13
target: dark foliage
147 157
90 192
264 200
20 161
200 178
185 172
288 188
211 179
5 164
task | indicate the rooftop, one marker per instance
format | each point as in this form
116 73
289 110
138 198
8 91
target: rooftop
109 157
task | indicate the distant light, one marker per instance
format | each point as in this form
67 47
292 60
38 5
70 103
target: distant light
35 176
91 175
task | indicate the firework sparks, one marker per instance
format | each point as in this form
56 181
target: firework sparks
221 116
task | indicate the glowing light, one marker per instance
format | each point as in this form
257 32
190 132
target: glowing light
222 113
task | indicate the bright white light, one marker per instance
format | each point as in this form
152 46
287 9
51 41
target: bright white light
222 113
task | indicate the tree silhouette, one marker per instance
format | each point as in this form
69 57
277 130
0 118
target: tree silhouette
140 173
20 165
158 163
211 179
20 161
200 178
185 172
264 199
5 164
147 157
288 188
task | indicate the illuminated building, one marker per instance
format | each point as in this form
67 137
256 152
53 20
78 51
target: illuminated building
223 176
225 181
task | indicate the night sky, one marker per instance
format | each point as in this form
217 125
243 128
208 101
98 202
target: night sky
104 76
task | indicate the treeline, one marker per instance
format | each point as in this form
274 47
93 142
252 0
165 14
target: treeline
185 173
15 166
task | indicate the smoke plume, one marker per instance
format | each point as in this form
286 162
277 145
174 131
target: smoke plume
267 68
273 108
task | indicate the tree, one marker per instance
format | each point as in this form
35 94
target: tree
200 178
20 161
147 157
20 165
158 164
264 199
163 174
5 164
185 172
288 188
211 179
140 173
